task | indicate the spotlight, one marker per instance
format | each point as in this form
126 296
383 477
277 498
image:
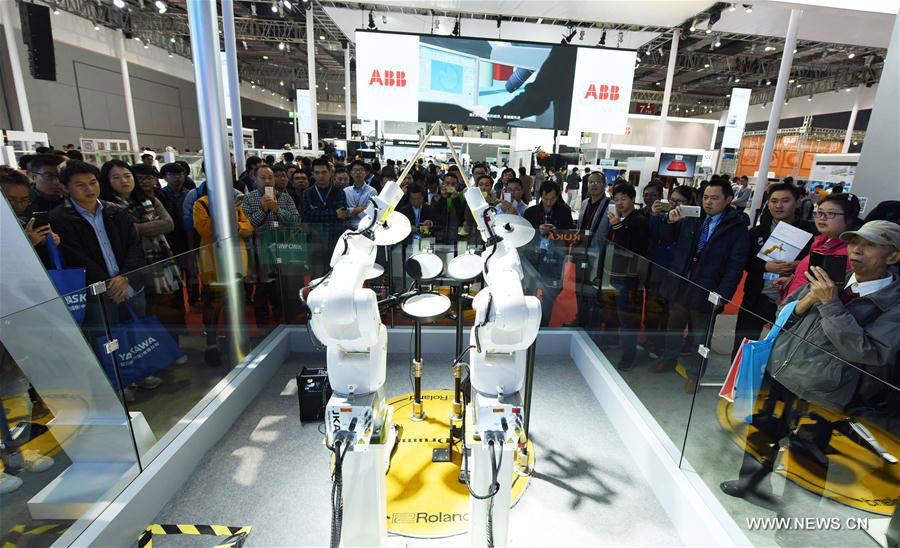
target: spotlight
718 41
737 80
252 86
693 25
657 83
769 47
708 30
372 22
274 7
851 55
748 8
848 90
706 65
286 4
603 38
160 5
137 38
791 81
172 39
768 82
281 46
321 37
265 57
281 82
119 3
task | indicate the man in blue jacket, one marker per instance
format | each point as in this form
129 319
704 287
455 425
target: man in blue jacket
710 253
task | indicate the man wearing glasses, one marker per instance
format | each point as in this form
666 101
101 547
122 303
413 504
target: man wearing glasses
47 192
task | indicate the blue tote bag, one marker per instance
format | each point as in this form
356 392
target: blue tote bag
755 356
69 282
145 347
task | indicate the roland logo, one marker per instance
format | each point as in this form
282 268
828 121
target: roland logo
442 397
428 517
602 92
335 420
388 78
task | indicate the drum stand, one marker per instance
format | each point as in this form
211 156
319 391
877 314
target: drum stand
418 411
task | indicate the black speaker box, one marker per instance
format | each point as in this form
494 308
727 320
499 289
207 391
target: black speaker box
37 34
313 391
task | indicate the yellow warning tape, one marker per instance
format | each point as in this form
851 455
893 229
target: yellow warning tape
13 537
236 535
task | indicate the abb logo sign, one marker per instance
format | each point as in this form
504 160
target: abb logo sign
602 92
390 78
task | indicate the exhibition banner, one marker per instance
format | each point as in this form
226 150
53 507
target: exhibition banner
426 78
737 117
304 111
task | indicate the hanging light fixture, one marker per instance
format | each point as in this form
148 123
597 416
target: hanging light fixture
281 46
161 6
274 7
119 3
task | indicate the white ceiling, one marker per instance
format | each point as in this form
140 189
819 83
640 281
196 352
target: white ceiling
634 12
852 22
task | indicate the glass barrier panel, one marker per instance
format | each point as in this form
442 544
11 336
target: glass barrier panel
67 447
799 437
175 346
646 321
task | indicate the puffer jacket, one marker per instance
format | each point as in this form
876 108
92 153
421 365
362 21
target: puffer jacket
862 332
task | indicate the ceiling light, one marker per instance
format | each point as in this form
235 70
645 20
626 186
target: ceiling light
243 42
281 82
706 65
657 83
718 41
848 90
855 143
737 80
265 57
286 4
321 37
791 81
55 10
326 86
281 46
372 22
160 5
137 38
795 50
748 8
119 3
768 82
851 55
727 95
252 86
708 30
769 47
274 7
693 25
172 39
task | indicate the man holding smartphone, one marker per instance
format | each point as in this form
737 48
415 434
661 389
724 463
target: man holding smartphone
36 224
710 252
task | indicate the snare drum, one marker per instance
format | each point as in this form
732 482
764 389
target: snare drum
431 264
465 267
426 307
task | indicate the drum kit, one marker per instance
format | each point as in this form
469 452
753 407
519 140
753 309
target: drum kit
424 306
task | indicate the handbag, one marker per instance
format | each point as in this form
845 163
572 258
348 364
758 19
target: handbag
145 347
754 357
69 282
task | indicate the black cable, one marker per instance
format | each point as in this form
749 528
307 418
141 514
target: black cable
484 322
337 500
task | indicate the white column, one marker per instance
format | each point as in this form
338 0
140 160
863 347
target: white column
233 83
347 115
204 30
667 94
784 74
849 137
311 71
8 11
609 138
126 87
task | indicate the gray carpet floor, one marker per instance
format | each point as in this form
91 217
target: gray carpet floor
271 472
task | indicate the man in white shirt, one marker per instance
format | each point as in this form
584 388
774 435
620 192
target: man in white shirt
358 194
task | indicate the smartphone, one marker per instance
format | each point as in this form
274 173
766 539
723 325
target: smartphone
665 205
690 211
270 191
507 196
833 265
41 218
612 209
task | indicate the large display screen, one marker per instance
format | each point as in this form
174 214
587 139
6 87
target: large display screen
677 165
426 78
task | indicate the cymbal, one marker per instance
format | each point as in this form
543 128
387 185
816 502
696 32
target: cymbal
514 229
393 231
